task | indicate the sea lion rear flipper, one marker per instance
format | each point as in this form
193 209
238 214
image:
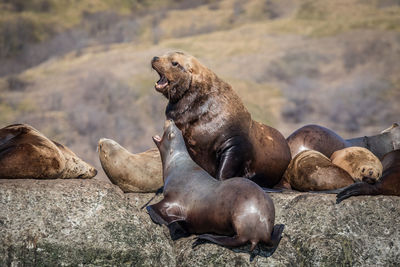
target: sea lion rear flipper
228 241
272 190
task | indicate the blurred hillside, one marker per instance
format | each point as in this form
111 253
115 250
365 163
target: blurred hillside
80 70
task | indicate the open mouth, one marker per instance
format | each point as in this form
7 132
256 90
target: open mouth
157 138
162 83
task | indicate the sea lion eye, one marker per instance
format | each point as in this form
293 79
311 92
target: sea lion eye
171 136
174 63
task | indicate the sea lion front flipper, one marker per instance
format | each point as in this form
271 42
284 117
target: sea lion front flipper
356 189
231 156
164 213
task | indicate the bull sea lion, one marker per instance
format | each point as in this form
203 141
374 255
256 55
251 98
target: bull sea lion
26 153
311 170
315 137
388 184
140 172
236 211
359 162
218 130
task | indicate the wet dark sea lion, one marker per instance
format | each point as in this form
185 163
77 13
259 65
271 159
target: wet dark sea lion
388 184
359 162
380 144
26 153
310 170
140 172
231 213
315 137
218 130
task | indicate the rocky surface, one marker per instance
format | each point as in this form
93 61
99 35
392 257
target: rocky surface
92 223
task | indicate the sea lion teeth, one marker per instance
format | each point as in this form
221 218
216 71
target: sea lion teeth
220 134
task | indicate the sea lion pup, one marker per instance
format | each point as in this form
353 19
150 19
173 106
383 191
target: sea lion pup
310 170
359 162
218 130
140 172
381 144
388 184
27 153
236 210
315 137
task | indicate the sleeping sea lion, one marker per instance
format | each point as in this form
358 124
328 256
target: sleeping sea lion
140 172
26 153
388 184
311 170
359 162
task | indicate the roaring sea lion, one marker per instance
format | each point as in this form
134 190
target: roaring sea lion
388 184
315 137
311 170
27 153
218 130
140 172
230 213
359 162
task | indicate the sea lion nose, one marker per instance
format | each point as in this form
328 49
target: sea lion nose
155 59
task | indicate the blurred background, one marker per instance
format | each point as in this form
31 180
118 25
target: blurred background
79 70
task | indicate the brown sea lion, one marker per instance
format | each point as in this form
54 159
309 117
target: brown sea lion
27 153
310 170
388 184
315 137
218 130
359 162
140 172
236 211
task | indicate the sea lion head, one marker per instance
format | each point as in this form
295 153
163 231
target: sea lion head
177 71
171 142
368 172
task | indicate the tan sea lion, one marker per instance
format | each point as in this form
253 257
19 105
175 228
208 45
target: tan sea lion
26 153
388 184
230 213
359 162
218 130
140 172
315 137
311 170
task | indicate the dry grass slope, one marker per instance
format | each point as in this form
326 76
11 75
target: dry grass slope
334 63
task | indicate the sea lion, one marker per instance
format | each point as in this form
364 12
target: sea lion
27 153
236 211
359 162
315 137
380 144
388 184
311 170
218 130
140 172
